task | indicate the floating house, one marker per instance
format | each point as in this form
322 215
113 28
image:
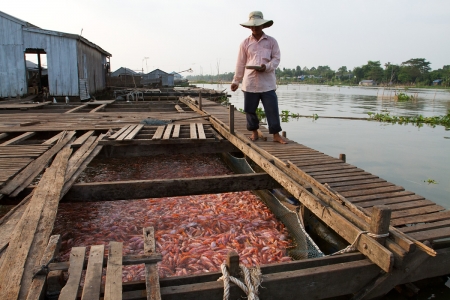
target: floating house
123 72
76 66
368 82
158 77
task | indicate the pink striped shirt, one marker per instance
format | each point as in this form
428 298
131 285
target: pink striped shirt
255 53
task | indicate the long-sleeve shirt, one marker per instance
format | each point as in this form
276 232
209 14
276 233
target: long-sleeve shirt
255 53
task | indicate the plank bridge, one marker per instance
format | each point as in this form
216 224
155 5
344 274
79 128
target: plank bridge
399 236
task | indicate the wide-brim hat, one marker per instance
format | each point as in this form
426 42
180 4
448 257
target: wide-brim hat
256 18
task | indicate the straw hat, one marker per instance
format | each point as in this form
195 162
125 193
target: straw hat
256 18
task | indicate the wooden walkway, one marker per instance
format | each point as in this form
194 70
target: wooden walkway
405 228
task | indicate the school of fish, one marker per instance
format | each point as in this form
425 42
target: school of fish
193 233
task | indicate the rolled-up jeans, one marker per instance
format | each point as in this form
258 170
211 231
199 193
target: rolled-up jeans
270 102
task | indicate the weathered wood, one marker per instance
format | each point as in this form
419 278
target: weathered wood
159 133
425 227
126 261
434 217
126 132
29 123
233 263
53 139
76 108
167 132
231 118
101 107
27 175
193 131
410 212
3 135
151 270
201 131
431 234
343 157
93 280
113 285
379 222
140 189
134 132
118 133
179 108
26 245
18 139
38 283
176 131
79 141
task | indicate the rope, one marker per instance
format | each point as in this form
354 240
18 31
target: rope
252 278
351 248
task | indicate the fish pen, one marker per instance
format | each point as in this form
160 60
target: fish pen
169 199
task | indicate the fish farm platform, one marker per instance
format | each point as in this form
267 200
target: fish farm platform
393 237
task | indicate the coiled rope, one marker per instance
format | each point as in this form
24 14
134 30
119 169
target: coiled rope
252 278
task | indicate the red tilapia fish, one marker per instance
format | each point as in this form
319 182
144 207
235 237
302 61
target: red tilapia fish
193 233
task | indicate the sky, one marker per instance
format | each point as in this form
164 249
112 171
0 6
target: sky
204 35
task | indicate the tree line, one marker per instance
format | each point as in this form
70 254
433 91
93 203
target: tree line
415 71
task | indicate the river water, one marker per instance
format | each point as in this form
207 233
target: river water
406 155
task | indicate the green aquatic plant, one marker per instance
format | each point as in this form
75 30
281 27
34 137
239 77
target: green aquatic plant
417 120
403 97
430 181
315 116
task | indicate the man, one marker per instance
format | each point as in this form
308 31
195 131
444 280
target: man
258 58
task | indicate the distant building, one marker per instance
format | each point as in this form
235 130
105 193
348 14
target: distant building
158 78
123 72
75 66
176 76
437 82
368 82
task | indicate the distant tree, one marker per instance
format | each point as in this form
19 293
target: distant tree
415 69
372 70
342 70
358 72
298 71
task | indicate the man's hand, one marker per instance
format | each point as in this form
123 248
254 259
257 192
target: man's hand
234 86
262 69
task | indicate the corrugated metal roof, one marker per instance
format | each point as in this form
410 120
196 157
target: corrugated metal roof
17 20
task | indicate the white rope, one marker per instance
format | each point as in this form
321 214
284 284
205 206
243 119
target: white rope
352 247
252 280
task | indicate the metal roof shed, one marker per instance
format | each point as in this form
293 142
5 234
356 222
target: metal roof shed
76 66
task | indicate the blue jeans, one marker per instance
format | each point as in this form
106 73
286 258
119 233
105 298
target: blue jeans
270 102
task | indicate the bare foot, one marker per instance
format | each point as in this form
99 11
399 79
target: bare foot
278 139
254 136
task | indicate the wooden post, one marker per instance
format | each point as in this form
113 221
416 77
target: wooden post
233 263
232 119
200 100
343 157
379 221
283 134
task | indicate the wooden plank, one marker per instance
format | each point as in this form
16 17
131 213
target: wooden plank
98 108
416 211
53 139
363 187
333 179
26 245
140 189
151 270
432 234
167 132
201 131
159 132
445 215
390 201
70 290
193 131
363 198
27 175
37 286
134 132
18 139
349 183
118 133
113 285
179 108
79 141
76 108
375 191
410 204
426 226
176 131
93 280
126 132
29 123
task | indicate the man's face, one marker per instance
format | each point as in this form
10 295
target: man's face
256 30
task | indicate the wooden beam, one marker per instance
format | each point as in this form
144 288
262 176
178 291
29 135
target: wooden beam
139 189
98 108
113 285
18 139
93 280
151 270
70 290
79 141
76 109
